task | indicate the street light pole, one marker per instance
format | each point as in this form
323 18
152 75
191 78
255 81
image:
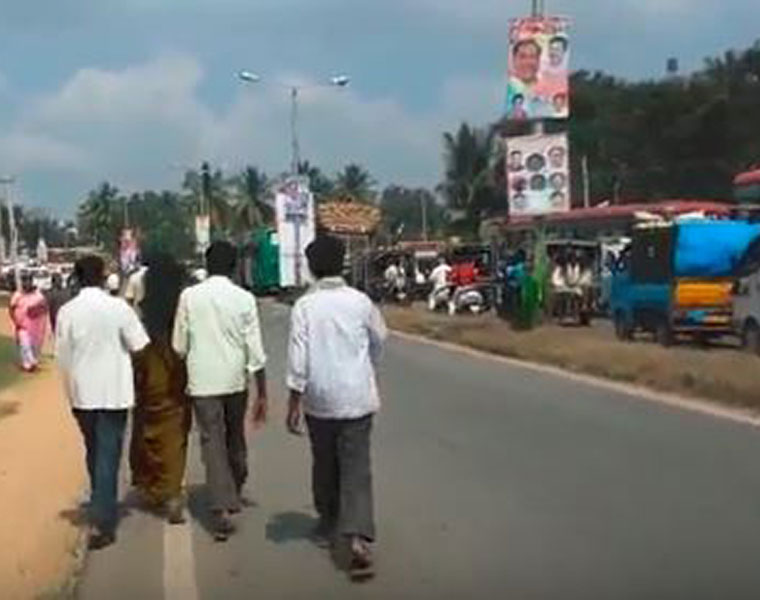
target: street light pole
7 183
295 159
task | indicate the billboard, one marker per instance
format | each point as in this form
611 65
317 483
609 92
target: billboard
128 250
296 229
537 174
539 56
202 233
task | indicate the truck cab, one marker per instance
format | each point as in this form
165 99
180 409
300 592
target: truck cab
678 278
746 311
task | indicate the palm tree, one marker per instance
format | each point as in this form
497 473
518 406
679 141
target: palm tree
251 206
469 157
98 215
319 183
355 181
209 192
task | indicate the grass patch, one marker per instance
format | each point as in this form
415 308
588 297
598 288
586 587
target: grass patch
8 369
721 375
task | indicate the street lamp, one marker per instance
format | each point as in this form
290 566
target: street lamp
339 81
7 181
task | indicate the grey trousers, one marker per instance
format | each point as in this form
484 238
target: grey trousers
342 474
221 420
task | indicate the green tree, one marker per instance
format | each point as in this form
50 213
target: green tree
356 181
470 185
99 219
252 206
320 184
402 210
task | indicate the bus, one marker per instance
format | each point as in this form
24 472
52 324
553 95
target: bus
747 187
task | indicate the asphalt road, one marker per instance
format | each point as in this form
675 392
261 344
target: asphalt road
492 481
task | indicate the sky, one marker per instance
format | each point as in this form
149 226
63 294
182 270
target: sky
134 91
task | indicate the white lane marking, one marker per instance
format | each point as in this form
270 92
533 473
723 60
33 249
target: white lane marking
705 407
179 563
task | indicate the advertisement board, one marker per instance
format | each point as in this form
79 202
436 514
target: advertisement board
128 250
202 233
537 174
538 80
296 229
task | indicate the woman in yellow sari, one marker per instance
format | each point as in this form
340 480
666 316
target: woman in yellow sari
162 414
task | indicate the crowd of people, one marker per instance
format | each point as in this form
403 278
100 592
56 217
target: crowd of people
171 353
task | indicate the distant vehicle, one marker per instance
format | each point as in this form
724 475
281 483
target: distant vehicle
580 302
747 187
678 278
746 300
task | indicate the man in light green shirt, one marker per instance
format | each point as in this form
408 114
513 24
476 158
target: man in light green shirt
217 331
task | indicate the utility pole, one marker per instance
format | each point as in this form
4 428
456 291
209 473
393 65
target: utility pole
294 144
423 202
7 182
586 182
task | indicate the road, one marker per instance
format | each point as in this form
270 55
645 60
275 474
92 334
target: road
492 481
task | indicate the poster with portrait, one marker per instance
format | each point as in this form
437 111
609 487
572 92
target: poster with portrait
538 175
538 81
296 229
128 250
202 233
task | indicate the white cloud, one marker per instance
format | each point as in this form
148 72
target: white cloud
25 151
130 125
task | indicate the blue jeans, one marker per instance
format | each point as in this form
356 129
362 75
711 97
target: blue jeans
103 432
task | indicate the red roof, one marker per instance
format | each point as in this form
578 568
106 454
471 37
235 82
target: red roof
667 207
748 178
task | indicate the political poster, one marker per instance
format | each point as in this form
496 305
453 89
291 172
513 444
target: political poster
128 250
202 233
538 80
538 175
296 229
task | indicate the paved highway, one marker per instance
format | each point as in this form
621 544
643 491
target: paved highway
492 481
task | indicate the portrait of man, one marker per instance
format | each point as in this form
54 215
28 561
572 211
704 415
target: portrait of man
526 61
559 104
516 161
557 156
558 181
557 200
558 47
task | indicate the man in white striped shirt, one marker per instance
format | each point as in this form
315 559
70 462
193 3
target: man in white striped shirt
335 343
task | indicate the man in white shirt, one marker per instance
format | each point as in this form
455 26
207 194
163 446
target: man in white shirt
336 339
95 334
217 331
439 277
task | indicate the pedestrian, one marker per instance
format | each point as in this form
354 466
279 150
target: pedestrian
217 332
336 339
113 284
29 314
57 296
440 277
94 338
162 415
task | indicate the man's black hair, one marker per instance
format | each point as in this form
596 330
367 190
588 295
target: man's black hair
529 42
562 40
221 258
518 97
325 255
90 271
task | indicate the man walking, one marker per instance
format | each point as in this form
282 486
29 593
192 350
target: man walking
217 331
95 334
335 342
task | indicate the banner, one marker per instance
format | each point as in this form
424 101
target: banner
296 229
539 56
128 251
538 175
202 233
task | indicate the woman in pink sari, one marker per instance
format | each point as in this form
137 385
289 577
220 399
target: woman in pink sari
29 313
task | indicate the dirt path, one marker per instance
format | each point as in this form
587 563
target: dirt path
41 480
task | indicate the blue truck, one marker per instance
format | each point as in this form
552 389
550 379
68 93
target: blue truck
678 278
